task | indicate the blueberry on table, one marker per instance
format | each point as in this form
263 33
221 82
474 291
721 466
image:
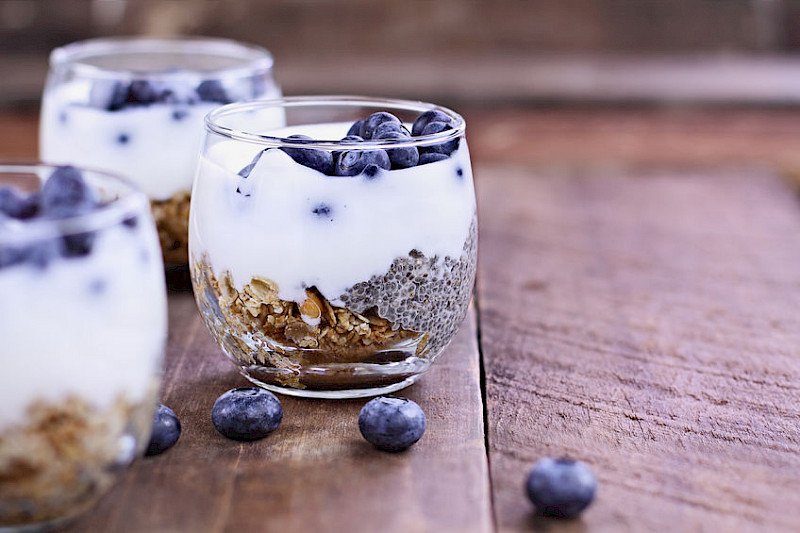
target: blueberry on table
371 123
431 157
445 148
353 162
391 424
561 487
427 117
166 430
213 91
401 157
66 193
247 413
319 160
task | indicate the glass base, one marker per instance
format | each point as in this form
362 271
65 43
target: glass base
338 394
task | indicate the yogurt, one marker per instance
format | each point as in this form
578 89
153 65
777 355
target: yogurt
301 228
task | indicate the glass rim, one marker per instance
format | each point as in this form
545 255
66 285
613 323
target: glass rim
254 58
213 125
132 202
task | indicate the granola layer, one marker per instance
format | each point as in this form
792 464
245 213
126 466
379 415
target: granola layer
64 457
172 220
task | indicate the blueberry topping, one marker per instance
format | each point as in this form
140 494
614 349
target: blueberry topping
401 157
213 91
247 413
143 92
431 157
371 171
179 114
77 245
166 430
319 160
131 222
322 211
446 148
15 204
245 172
353 162
388 128
351 139
371 123
561 487
391 424
65 194
123 138
107 94
425 118
459 172
355 129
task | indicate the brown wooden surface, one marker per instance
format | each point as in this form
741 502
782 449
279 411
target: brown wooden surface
644 321
649 325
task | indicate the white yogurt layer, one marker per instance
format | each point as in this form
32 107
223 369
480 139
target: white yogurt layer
155 146
360 226
92 326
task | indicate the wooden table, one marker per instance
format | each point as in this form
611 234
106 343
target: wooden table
638 307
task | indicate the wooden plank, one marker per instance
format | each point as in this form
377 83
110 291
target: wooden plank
315 473
652 328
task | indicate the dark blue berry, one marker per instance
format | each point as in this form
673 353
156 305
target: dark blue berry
391 424
460 172
247 413
388 128
351 139
213 91
353 162
123 138
371 171
445 148
431 157
77 245
319 160
166 430
142 92
131 222
371 123
561 487
401 157
179 114
425 118
108 94
355 129
37 254
245 172
322 211
16 204
66 193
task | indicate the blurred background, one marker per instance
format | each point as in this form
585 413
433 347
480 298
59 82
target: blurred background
676 81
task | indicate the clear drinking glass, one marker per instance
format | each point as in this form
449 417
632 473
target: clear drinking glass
135 107
323 285
83 324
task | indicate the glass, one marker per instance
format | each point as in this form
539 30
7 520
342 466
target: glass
322 285
83 323
135 107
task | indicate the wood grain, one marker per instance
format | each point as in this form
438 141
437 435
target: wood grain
315 473
650 325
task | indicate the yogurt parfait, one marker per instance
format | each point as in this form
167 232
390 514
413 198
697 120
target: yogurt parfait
334 256
83 325
135 107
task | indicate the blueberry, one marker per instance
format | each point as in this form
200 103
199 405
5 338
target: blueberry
371 171
425 118
391 424
353 162
351 139
15 204
319 160
107 94
142 92
401 157
355 129
77 245
245 172
37 254
247 413
561 487
431 157
460 172
372 122
166 430
123 138
65 194
131 222
445 148
389 128
322 211
179 114
213 91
